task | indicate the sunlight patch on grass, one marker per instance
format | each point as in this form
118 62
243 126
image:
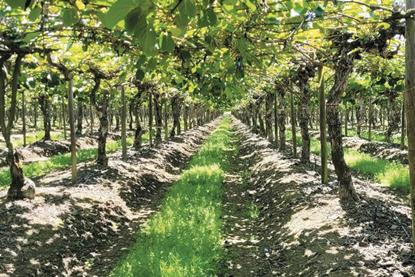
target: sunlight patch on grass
34 137
391 174
377 136
184 238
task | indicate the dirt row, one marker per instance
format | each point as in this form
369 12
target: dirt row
302 228
241 256
84 229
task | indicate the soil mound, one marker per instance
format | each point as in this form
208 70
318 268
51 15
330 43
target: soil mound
303 229
83 229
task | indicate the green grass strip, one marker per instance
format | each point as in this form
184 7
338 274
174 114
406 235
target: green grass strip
391 174
184 238
376 136
36 136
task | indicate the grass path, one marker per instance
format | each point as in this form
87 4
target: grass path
184 238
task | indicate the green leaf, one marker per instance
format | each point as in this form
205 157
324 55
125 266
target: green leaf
229 5
187 8
122 76
79 5
208 18
242 45
35 13
202 22
185 55
16 3
272 19
118 11
211 16
300 9
181 20
208 39
149 43
69 16
167 43
319 11
140 34
383 26
151 64
140 61
131 20
139 74
250 5
31 36
135 20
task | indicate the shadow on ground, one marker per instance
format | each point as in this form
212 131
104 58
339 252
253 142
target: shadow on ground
302 229
84 229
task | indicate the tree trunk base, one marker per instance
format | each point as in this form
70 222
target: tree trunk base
27 191
347 193
137 138
103 161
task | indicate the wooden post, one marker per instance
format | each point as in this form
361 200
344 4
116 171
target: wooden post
35 115
403 122
123 124
185 116
63 117
166 120
72 128
346 119
24 117
370 112
150 117
91 118
381 116
276 118
410 103
293 125
59 111
269 103
323 130
281 119
352 118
